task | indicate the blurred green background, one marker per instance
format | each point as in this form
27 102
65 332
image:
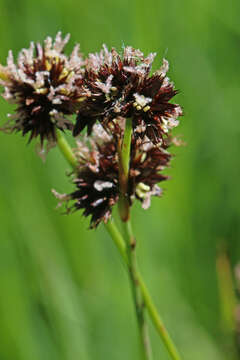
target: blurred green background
64 294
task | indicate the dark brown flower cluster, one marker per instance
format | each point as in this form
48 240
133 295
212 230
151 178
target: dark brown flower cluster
97 175
47 86
121 86
44 87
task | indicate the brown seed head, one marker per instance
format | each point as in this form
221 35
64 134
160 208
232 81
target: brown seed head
120 86
44 87
97 175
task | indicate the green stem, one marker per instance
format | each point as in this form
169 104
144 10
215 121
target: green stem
117 239
152 310
124 150
137 294
124 153
126 147
66 149
157 321
121 245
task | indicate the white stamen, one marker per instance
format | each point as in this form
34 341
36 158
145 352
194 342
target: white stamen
101 185
164 68
141 101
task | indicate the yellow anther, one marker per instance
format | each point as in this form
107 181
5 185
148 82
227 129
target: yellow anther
135 104
143 157
70 74
4 76
140 194
82 98
138 107
3 73
48 65
64 73
64 91
143 187
146 108
42 91
56 59
142 190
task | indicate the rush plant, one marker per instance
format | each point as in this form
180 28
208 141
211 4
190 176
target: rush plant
129 116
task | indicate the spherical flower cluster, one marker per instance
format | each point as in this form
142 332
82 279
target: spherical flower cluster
121 86
97 176
44 87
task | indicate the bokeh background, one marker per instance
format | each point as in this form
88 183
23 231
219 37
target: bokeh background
64 294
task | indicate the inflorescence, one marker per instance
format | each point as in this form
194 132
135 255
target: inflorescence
97 175
44 85
102 90
121 86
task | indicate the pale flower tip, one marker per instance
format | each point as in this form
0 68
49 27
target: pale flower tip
67 38
177 141
146 202
41 152
105 48
58 35
58 195
164 68
61 197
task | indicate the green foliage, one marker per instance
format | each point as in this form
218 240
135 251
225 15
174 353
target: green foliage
64 293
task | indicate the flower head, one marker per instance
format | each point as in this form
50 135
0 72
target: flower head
97 176
121 86
43 85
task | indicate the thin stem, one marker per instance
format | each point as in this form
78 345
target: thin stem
117 238
126 146
152 310
137 295
124 150
124 210
66 149
157 321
